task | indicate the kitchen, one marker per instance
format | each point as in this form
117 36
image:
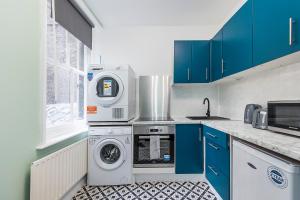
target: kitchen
234 54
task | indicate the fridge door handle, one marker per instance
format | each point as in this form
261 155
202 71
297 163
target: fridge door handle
251 165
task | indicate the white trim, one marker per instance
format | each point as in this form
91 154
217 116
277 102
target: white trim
90 13
57 140
57 134
43 67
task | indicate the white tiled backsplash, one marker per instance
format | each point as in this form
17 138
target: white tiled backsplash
278 84
187 100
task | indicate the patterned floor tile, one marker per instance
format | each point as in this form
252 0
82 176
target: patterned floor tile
148 191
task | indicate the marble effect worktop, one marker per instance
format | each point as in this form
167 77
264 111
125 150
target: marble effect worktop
283 144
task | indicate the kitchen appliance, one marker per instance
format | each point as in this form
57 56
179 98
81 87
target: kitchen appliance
284 117
261 175
260 119
110 156
111 93
154 146
249 110
154 98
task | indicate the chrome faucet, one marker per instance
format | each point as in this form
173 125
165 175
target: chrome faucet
208 108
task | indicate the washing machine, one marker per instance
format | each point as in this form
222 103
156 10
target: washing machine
111 93
110 156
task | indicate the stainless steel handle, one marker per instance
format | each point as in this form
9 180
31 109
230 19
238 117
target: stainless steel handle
222 66
200 134
189 73
211 135
206 73
212 169
291 21
213 146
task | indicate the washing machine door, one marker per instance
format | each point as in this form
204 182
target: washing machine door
106 88
110 154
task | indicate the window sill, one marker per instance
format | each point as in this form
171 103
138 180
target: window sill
62 138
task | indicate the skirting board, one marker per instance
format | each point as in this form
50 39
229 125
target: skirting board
153 170
169 177
82 182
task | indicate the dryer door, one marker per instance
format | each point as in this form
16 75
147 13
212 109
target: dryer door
106 88
110 154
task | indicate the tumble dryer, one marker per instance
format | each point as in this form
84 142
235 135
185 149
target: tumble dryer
111 93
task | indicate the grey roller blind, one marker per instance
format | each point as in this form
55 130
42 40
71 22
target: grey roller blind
72 18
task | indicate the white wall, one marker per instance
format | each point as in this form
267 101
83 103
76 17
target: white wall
150 51
277 84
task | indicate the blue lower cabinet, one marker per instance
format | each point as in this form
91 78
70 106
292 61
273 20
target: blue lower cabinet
216 136
218 180
189 149
214 151
217 160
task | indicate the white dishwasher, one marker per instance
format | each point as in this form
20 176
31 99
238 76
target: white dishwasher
260 175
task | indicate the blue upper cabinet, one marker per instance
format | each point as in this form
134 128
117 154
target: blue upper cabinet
295 17
200 62
237 41
216 57
189 149
271 27
182 61
191 62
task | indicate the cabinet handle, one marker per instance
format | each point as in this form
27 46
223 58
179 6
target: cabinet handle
213 146
206 73
291 31
211 135
200 134
222 66
212 169
188 71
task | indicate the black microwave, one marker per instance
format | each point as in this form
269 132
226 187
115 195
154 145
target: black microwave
284 117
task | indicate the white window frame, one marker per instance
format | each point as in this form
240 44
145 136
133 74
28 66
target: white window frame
68 130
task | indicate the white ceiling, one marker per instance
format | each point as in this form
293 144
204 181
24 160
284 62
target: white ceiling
162 12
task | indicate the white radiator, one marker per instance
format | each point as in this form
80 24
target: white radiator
55 174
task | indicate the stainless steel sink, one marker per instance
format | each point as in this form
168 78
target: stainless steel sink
206 118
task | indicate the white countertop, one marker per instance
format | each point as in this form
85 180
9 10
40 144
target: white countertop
283 144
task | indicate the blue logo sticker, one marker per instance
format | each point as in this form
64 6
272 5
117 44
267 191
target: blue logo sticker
167 157
277 177
90 76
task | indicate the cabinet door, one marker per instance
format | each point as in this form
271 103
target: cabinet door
189 149
270 30
200 62
237 41
216 57
295 25
182 61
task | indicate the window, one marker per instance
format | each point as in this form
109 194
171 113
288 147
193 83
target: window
65 96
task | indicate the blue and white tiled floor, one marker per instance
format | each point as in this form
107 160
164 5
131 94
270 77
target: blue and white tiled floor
148 191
